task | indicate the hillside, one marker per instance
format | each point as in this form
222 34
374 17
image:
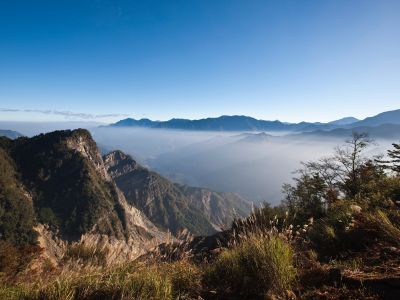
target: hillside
11 134
384 131
344 121
17 216
173 206
59 180
219 208
387 117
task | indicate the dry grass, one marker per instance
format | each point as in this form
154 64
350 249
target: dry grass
379 223
86 254
129 281
259 264
257 260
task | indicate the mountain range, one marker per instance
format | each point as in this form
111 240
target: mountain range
10 133
245 123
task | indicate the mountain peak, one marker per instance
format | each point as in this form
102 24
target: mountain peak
344 121
387 117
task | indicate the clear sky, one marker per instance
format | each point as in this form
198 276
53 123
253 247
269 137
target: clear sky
102 60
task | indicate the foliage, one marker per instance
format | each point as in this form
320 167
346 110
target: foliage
258 265
306 199
393 162
329 235
322 182
343 230
17 216
47 216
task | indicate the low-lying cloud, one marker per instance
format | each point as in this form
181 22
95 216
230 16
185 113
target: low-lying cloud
66 113
254 166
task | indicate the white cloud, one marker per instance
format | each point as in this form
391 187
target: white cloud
65 113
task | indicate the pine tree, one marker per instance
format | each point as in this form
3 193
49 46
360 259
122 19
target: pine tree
395 158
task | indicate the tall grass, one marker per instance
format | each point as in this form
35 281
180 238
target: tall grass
380 225
86 254
259 264
128 281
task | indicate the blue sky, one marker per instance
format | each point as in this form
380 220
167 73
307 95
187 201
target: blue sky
289 60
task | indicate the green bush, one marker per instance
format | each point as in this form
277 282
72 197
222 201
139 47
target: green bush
185 279
258 265
330 234
343 230
47 216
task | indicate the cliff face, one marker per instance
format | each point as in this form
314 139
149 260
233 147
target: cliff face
220 208
72 192
171 206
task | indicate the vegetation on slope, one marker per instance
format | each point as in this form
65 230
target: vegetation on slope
68 192
17 216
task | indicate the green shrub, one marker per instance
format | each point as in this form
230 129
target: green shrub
47 216
185 278
342 231
330 234
258 265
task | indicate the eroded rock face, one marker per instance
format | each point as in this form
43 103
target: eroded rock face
141 234
119 164
54 247
86 146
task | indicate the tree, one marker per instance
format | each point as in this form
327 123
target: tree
307 198
351 160
321 183
394 159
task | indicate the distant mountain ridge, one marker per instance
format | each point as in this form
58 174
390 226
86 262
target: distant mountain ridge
11 134
223 123
388 117
385 131
245 123
344 121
